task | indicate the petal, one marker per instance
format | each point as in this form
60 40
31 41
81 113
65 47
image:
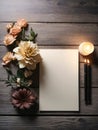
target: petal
14 101
26 105
21 106
21 65
18 57
31 67
16 49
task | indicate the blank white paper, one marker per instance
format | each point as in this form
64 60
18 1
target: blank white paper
59 77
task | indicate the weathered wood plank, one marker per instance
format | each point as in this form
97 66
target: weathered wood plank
6 107
48 123
49 10
53 21
94 66
3 74
61 34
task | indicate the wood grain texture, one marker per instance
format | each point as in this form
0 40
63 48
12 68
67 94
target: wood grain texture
59 23
60 34
48 123
49 10
6 107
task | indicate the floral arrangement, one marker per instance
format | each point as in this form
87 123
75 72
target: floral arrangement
23 54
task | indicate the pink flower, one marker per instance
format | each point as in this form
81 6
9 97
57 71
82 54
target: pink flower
9 26
15 30
7 58
9 39
21 23
23 98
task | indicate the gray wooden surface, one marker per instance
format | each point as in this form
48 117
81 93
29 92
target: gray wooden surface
59 24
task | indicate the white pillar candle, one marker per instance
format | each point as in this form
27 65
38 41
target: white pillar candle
86 48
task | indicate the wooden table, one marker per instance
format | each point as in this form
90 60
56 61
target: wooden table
58 23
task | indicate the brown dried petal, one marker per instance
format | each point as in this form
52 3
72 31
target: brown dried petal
28 73
23 98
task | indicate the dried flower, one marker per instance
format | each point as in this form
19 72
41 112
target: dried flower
7 58
27 54
29 83
18 82
28 73
23 98
15 30
21 23
9 39
9 26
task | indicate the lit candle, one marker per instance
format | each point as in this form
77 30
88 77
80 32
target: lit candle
87 81
86 48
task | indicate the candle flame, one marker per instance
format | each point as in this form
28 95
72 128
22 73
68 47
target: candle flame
88 61
85 61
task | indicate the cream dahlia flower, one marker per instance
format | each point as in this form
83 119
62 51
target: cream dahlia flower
27 54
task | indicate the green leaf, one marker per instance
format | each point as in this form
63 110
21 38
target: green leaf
33 35
23 34
9 71
20 73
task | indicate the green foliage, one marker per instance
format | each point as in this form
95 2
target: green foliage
12 78
31 37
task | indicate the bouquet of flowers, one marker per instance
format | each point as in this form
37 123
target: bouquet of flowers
23 54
